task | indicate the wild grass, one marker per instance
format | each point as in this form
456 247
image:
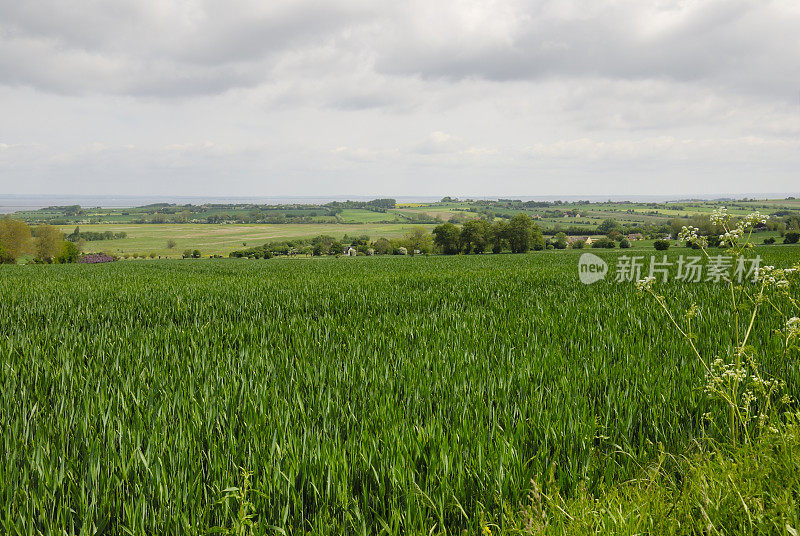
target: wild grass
711 488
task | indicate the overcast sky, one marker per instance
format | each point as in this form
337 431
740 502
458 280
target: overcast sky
340 97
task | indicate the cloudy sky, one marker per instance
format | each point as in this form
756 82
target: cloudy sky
373 97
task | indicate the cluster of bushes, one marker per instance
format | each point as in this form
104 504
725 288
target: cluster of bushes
421 217
418 240
604 242
376 205
91 236
270 249
519 234
136 255
44 243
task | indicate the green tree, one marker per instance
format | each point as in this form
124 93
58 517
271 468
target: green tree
537 239
336 248
48 243
520 233
475 236
418 239
458 217
321 244
171 243
69 253
675 226
5 259
382 246
604 242
182 217
446 237
791 237
608 225
15 236
498 236
560 241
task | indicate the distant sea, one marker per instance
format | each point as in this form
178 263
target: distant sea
14 203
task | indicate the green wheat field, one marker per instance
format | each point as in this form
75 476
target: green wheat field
365 395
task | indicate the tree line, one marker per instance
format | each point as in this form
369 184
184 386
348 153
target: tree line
92 236
44 243
519 234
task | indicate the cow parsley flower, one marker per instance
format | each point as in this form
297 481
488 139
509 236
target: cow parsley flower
720 216
755 218
645 284
793 328
688 233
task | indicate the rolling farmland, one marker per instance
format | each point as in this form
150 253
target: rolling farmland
221 239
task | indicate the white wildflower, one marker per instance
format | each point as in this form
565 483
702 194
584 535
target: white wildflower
755 218
793 328
688 233
720 216
646 283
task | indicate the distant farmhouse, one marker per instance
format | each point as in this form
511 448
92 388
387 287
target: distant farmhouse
573 239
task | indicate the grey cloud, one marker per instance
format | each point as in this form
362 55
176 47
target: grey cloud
150 48
153 47
747 46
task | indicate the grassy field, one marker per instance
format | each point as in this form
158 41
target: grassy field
222 239
366 216
365 395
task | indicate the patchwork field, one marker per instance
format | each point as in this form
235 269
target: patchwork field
360 395
221 239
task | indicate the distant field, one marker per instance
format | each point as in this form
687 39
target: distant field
443 213
222 239
367 216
